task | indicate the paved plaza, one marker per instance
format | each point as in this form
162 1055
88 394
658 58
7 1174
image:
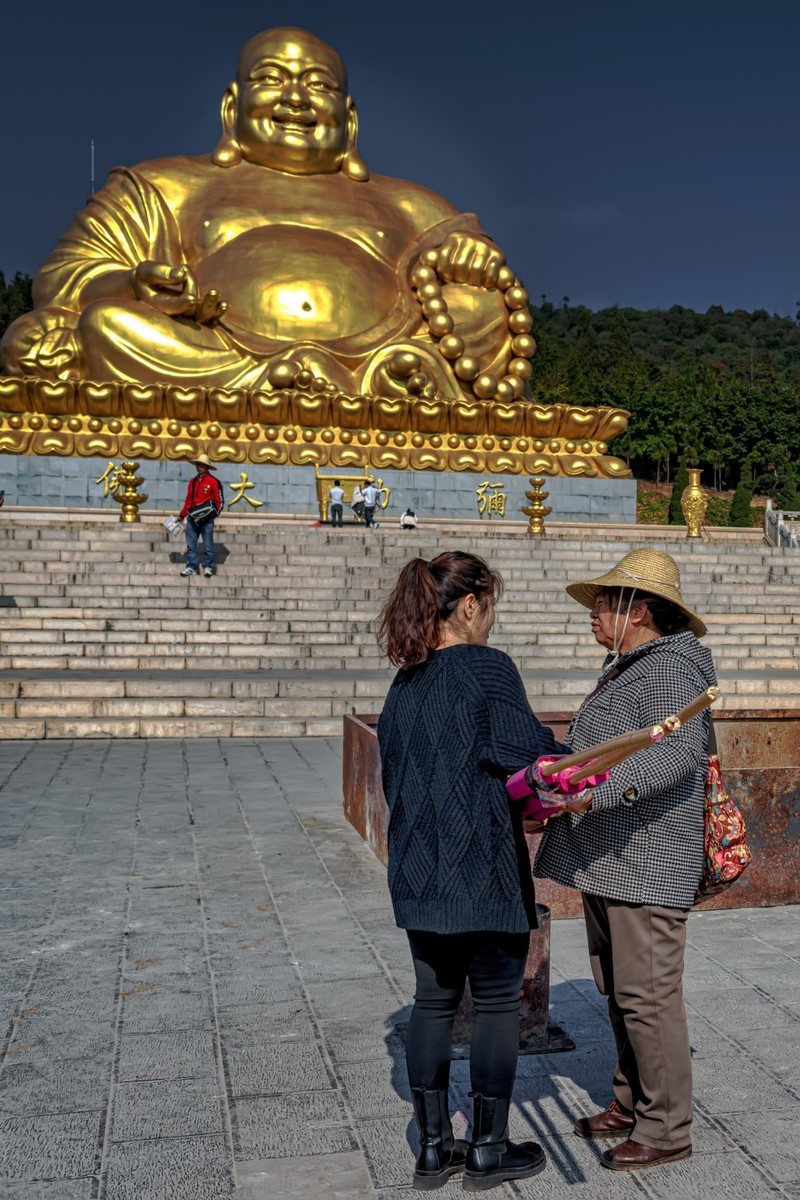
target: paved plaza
203 996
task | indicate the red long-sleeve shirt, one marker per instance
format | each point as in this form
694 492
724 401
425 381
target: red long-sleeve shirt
202 488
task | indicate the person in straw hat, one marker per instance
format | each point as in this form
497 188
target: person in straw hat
203 491
636 850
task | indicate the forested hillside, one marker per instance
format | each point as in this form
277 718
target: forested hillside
718 390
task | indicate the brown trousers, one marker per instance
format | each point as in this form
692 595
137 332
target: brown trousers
636 952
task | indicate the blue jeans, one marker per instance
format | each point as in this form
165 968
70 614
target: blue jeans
206 532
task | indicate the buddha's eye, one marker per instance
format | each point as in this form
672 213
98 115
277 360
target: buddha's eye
269 78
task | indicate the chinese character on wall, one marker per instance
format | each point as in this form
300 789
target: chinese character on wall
244 485
490 502
109 479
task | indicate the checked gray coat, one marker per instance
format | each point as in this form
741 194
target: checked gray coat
642 840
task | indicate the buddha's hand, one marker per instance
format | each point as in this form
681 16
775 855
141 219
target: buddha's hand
464 258
174 291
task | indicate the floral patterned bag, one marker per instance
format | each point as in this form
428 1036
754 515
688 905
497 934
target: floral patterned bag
726 851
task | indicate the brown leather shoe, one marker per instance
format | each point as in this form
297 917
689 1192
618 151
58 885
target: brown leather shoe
612 1122
633 1156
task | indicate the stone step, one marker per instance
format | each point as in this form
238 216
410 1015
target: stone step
292 558
344 618
167 714
340 628
382 555
106 545
532 588
337 597
388 547
170 727
556 615
343 643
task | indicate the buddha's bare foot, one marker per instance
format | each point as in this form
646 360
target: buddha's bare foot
408 370
309 369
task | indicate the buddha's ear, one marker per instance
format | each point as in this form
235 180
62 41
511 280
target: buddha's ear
353 165
227 152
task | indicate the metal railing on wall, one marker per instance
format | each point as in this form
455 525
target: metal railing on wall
781 528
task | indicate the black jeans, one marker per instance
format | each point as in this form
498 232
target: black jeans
369 514
494 963
336 514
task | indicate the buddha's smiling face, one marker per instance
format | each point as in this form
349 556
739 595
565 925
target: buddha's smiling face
290 104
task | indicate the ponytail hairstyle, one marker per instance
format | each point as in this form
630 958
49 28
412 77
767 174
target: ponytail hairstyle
425 596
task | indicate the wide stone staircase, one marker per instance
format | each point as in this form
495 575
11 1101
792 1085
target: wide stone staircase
100 636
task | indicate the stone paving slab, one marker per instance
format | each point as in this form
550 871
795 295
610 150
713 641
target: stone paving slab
176 1108
202 997
62 1189
342 1176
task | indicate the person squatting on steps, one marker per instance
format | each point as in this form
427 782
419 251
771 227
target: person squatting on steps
455 724
636 854
203 493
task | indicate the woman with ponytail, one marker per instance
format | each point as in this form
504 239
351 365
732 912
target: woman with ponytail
455 724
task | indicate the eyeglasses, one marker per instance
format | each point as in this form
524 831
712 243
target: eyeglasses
611 604
601 604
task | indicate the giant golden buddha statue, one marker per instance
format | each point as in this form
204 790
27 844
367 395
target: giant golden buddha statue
277 254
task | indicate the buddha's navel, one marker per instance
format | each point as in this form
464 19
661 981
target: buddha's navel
292 282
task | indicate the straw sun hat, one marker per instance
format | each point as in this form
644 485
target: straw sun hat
647 570
206 461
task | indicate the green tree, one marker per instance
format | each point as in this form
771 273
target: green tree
620 342
675 515
15 299
740 504
779 481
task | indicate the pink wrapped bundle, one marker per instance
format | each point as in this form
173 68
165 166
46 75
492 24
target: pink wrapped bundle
541 808
535 807
543 796
531 779
561 781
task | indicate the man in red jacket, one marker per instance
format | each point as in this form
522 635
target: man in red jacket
203 490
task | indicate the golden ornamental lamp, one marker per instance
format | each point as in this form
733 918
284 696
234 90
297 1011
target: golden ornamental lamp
127 492
537 510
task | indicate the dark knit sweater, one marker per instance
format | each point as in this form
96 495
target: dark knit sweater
451 731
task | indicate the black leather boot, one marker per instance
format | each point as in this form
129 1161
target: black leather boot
491 1158
440 1155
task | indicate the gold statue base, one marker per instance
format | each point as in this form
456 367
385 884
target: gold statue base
307 427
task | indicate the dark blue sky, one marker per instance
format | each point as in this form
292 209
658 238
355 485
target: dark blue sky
637 152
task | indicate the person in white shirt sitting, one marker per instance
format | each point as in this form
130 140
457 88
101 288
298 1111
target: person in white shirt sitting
408 520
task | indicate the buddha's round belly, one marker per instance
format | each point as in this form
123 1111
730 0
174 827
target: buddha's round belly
300 284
